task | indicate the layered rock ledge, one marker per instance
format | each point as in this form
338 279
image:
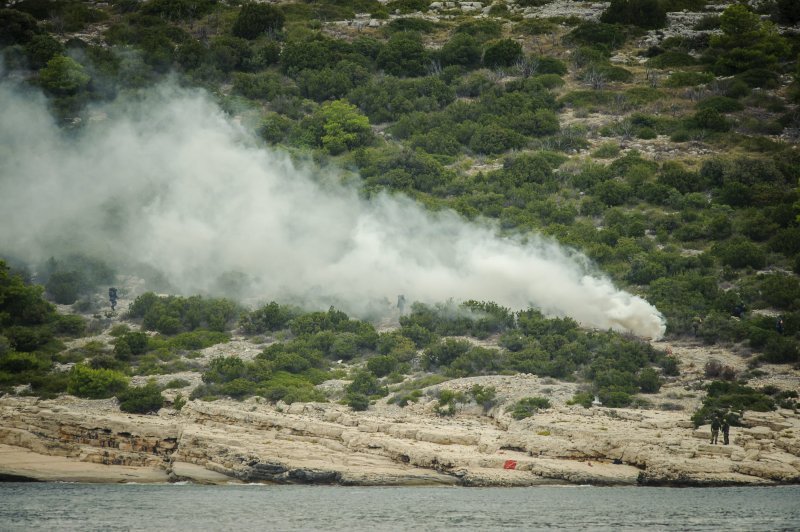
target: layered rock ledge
225 441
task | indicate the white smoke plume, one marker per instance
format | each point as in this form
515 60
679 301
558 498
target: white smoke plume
169 181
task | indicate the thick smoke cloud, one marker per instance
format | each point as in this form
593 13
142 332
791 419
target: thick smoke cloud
167 180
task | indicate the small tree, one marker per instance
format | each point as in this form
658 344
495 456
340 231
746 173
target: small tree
404 55
344 126
141 400
528 406
504 52
255 20
63 76
16 27
648 14
95 383
649 381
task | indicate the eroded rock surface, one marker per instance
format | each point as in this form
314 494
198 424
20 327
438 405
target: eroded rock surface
227 441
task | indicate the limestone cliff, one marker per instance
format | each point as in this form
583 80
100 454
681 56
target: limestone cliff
226 441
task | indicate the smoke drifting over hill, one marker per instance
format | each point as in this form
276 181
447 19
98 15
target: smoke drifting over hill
169 181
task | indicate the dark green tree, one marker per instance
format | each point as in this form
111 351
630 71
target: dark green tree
502 53
404 55
16 27
63 76
255 20
648 14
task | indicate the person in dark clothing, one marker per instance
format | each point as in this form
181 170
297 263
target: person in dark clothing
738 310
112 297
726 428
779 325
697 323
401 303
715 425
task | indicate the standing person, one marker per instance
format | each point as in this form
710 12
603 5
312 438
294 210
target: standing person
697 322
112 297
726 427
715 424
401 303
779 325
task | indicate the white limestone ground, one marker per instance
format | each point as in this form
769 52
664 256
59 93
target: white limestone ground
253 441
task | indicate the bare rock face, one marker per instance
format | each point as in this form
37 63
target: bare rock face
226 441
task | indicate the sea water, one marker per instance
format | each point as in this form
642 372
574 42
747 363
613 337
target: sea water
58 506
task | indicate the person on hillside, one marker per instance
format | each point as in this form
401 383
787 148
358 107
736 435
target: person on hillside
726 428
779 325
715 425
738 310
112 297
697 322
401 303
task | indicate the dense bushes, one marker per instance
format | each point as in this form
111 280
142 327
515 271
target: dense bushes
95 383
648 14
528 406
174 314
724 396
141 400
254 20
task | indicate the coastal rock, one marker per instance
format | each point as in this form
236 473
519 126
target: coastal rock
252 441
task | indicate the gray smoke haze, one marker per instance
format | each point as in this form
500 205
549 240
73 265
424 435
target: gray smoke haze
169 181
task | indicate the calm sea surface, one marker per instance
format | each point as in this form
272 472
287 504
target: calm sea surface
33 506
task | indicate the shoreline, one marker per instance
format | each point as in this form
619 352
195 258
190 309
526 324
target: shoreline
227 442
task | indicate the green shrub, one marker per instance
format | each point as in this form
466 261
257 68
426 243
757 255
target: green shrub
780 290
255 20
408 6
21 362
448 399
534 26
444 352
486 397
382 365
721 104
598 35
16 27
403 399
141 400
687 79
365 383
95 383
270 317
528 406
494 139
722 396
224 369
671 59
403 55
711 119
482 29
179 402
65 287
502 53
648 14
607 150
649 381
582 398
69 325
781 350
357 401
176 383
740 253
462 49
614 398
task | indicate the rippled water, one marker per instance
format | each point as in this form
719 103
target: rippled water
34 506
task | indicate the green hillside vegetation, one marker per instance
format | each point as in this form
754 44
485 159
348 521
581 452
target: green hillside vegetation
674 174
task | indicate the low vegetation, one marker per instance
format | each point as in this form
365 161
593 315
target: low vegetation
676 175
